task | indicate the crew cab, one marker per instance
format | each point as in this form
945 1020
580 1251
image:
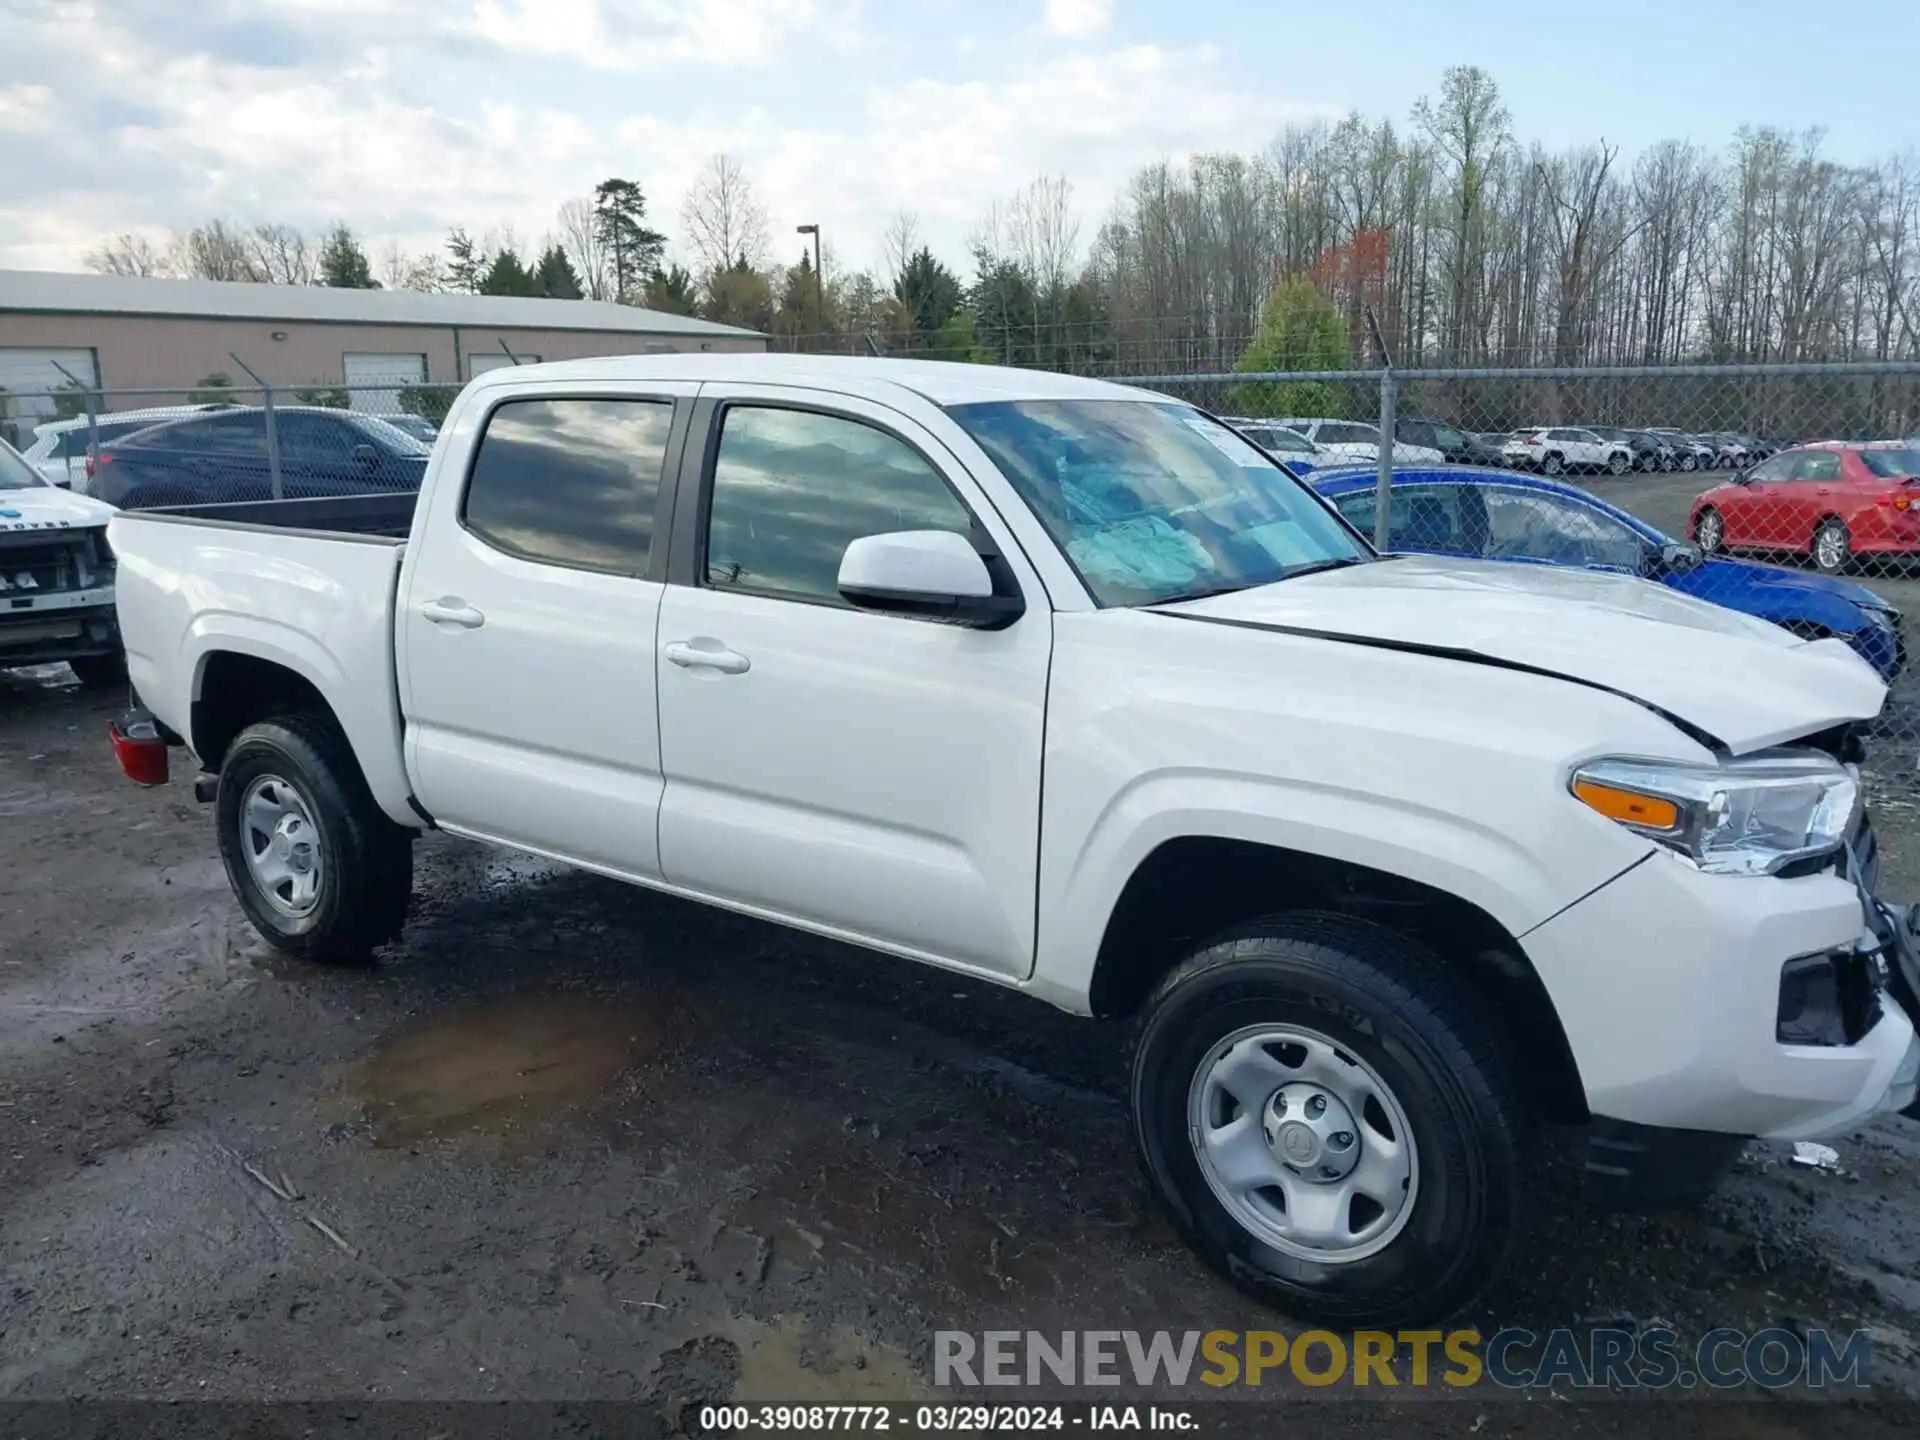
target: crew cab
56 577
1068 687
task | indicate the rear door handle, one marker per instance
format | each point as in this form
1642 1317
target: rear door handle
449 610
711 655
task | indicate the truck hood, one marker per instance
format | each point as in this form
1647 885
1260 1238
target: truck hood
44 508
1742 682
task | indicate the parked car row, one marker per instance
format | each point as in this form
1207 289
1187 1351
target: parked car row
1831 501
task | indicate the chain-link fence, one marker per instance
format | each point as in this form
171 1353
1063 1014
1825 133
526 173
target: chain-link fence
1791 493
137 449
1787 492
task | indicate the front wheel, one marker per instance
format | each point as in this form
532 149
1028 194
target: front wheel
1619 464
1552 464
1331 1124
321 872
1689 463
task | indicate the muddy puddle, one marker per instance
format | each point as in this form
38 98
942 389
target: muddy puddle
500 1071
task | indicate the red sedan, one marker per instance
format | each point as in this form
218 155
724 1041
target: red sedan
1831 500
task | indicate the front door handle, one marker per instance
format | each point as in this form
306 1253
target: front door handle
707 654
449 610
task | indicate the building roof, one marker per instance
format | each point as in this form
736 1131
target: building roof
57 293
943 382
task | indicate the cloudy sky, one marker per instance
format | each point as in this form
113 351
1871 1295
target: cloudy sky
406 116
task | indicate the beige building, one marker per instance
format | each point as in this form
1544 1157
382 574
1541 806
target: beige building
128 335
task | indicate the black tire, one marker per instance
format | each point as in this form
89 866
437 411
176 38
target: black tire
1618 464
1382 998
1552 464
1832 548
365 860
1689 462
100 672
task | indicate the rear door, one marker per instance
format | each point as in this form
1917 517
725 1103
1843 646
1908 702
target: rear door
526 627
872 775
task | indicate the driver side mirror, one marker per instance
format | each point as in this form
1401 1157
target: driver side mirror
1742 476
365 455
1677 557
932 573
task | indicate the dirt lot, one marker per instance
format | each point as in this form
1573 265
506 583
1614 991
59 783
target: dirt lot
576 1141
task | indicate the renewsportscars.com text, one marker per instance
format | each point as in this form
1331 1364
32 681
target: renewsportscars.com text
1452 1359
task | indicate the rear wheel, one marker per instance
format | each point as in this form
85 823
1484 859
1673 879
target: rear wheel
321 872
1831 547
1709 531
1331 1123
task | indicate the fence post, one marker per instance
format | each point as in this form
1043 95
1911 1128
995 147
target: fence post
273 444
1383 489
93 436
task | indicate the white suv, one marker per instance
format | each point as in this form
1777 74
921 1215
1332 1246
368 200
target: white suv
1562 448
1359 443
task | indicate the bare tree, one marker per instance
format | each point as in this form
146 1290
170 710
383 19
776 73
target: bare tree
400 269
724 220
281 255
130 254
580 237
220 250
898 244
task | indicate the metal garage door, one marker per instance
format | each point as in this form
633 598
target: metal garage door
374 380
31 386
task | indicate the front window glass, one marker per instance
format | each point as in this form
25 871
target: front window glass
16 473
1156 502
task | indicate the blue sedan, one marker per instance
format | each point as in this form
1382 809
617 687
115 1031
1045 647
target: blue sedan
1498 515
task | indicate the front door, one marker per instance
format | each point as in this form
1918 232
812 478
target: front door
871 775
527 620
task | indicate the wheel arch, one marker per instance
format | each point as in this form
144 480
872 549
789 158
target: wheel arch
1227 882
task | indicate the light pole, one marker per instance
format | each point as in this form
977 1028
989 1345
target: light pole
819 281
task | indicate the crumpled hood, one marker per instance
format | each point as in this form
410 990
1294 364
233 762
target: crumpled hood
43 507
1743 681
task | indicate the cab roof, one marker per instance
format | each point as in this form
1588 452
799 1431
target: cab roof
942 382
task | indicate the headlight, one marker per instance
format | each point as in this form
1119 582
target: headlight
1747 817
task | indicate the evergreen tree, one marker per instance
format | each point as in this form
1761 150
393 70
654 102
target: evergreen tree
619 219
343 264
554 276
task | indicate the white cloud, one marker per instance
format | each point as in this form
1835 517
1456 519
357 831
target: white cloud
359 135
647 34
1079 17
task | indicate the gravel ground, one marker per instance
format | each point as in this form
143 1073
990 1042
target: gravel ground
572 1140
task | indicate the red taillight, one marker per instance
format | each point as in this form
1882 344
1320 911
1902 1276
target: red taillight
139 749
95 461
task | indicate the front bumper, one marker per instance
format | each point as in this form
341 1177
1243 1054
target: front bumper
58 628
1668 986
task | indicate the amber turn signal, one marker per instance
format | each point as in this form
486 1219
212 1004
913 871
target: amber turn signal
1629 807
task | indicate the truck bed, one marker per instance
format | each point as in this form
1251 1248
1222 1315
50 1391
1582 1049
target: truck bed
386 516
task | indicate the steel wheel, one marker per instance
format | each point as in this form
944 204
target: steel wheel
281 845
1303 1143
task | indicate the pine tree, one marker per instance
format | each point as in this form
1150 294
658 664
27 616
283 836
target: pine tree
343 264
554 276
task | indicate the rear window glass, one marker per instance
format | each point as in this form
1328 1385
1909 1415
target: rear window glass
1891 464
571 482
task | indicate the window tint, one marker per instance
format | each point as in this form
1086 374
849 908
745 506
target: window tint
314 437
792 489
1340 433
571 482
244 433
1528 525
1891 464
1425 517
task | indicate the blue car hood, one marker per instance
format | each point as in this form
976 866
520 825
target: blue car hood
1778 577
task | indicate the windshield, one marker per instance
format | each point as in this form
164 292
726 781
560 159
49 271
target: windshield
16 473
1156 502
1891 464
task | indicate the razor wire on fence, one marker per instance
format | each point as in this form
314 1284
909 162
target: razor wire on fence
1789 493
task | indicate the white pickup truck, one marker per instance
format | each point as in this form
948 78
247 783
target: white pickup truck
1067 686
